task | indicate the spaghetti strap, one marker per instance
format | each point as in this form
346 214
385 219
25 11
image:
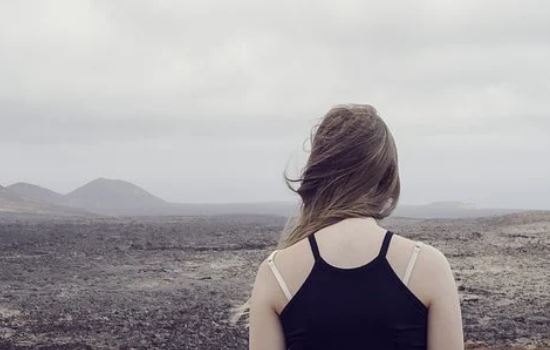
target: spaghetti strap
412 260
385 244
277 274
314 247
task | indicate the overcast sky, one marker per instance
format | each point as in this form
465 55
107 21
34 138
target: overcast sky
209 101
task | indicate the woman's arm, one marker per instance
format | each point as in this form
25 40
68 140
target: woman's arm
265 331
444 315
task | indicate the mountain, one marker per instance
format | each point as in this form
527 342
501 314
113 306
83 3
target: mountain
115 197
35 193
13 205
6 194
121 198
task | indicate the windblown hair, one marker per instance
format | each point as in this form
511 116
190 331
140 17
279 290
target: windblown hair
352 171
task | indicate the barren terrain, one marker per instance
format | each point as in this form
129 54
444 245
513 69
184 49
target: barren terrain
169 282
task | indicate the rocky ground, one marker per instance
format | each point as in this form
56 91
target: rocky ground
169 283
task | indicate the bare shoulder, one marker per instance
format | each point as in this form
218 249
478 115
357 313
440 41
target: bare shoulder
262 282
294 253
293 263
265 284
434 261
432 274
434 254
430 256
282 259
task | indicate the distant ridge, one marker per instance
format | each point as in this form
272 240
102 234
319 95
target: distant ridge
111 197
6 194
448 209
35 193
519 218
13 205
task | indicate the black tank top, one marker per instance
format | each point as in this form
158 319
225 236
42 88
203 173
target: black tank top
365 307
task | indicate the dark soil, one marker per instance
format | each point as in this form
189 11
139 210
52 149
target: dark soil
169 283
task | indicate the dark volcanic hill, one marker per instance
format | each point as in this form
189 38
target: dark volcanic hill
5 194
35 193
12 204
115 197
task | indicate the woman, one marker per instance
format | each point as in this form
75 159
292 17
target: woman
339 280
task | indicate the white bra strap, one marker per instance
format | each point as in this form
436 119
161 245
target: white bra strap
277 275
412 260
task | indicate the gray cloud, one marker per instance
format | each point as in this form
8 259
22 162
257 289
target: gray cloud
126 88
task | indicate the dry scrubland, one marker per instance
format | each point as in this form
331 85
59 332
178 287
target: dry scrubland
168 283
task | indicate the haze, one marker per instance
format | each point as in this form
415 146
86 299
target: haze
209 101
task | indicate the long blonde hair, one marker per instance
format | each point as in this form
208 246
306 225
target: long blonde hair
352 171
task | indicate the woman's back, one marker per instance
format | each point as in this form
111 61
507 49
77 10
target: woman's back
335 284
353 285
